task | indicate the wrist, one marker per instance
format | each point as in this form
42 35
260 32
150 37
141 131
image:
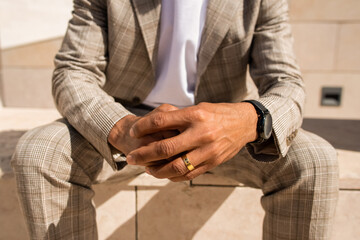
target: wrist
264 121
252 121
121 129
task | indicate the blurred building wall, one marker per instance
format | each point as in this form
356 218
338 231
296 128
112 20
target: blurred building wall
326 34
327 45
30 35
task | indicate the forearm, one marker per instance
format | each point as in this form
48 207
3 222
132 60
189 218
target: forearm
88 109
79 77
274 70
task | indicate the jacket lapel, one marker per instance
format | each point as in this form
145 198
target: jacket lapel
218 19
148 15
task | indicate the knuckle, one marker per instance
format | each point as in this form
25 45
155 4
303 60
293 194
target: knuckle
199 114
167 107
210 134
172 108
158 120
165 148
179 168
163 107
203 104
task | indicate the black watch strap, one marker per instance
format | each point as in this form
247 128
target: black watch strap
264 123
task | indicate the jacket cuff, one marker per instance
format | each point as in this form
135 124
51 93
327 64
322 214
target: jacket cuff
115 112
281 138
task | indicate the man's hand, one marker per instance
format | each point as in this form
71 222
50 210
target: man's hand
120 138
210 133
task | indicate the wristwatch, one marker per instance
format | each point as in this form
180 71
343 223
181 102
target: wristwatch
264 123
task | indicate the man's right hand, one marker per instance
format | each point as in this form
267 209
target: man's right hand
120 138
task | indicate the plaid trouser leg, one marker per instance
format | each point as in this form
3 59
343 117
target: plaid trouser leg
55 167
55 191
300 190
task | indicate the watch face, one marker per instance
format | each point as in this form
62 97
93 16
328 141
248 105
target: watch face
264 126
267 126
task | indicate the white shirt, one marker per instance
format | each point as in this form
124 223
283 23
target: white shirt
181 25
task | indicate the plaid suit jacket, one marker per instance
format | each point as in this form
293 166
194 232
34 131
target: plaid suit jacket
108 58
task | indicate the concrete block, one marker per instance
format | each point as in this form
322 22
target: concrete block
38 54
145 179
346 224
8 141
12 224
27 87
21 119
115 204
349 48
349 165
325 10
349 108
209 179
315 45
178 211
115 211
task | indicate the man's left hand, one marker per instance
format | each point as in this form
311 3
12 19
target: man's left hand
210 134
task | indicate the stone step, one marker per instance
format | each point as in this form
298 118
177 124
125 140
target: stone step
151 209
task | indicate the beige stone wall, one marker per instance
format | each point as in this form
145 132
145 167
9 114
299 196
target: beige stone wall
28 42
1 81
28 21
26 74
327 45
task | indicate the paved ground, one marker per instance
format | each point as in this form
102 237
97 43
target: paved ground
135 209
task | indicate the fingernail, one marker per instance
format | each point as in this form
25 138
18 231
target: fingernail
131 132
130 160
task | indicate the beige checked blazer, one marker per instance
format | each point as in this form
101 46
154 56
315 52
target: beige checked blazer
108 59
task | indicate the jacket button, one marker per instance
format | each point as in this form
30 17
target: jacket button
288 141
136 100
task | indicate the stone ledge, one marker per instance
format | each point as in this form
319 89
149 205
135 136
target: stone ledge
325 10
155 212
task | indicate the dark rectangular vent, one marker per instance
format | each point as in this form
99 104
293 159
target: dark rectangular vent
331 96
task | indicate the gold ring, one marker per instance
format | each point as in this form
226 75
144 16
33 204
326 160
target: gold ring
187 162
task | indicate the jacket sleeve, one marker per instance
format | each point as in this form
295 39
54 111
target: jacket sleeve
275 72
80 74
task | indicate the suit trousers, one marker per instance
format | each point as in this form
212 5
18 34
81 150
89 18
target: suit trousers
55 168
